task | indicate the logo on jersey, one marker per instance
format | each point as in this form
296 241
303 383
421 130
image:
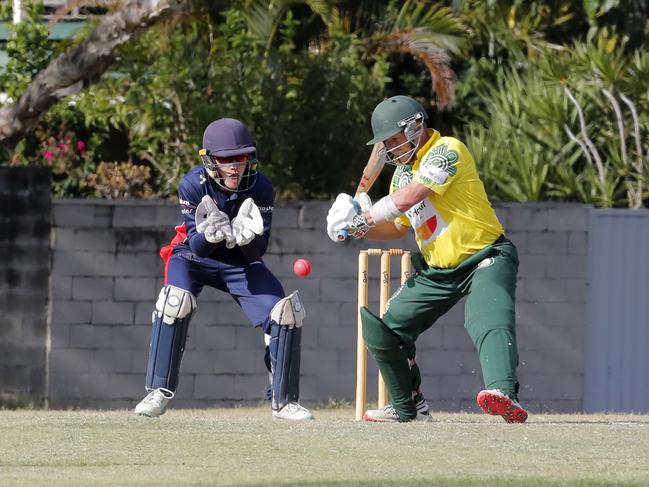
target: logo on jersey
202 179
186 208
438 164
402 176
428 224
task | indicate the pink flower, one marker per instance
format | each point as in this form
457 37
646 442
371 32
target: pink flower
48 155
81 146
63 147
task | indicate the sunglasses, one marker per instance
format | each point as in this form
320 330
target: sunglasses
211 161
231 159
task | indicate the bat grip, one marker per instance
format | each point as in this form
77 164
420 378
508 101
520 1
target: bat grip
343 234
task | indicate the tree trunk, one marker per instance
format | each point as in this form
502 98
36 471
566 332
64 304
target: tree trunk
81 65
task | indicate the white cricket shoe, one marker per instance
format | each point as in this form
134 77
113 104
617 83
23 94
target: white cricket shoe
153 405
421 404
294 412
388 414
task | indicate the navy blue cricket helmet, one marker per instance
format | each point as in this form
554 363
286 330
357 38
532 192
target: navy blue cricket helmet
227 142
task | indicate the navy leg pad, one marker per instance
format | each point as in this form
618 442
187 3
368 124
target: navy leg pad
165 354
285 347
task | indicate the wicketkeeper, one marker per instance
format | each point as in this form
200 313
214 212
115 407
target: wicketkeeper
227 208
436 191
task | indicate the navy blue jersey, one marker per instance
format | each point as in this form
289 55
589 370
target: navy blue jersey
198 183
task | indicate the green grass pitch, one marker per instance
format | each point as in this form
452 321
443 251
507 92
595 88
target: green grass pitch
244 446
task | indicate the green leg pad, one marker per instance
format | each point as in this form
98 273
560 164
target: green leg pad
385 347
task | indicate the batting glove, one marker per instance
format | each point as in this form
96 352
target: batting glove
347 214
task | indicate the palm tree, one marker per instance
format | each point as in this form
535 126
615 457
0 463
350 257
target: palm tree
429 32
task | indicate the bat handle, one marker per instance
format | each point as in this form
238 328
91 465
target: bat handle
342 235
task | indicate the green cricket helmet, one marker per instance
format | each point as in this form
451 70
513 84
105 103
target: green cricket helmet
394 115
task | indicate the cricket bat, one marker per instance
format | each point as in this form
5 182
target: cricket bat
370 174
371 170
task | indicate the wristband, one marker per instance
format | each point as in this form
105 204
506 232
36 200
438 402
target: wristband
384 210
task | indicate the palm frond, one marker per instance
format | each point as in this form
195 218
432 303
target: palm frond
261 17
325 10
436 60
265 16
435 23
429 32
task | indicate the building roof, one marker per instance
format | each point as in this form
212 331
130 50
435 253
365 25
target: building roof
66 25
58 31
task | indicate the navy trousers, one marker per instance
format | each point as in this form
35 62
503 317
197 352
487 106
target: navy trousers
252 285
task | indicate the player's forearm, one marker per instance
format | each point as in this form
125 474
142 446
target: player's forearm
390 207
256 248
408 196
201 247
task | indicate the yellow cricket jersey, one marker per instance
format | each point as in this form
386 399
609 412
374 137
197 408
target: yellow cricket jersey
456 220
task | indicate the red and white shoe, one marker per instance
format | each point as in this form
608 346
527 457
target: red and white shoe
495 402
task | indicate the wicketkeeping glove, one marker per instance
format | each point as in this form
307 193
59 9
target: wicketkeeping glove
216 226
247 224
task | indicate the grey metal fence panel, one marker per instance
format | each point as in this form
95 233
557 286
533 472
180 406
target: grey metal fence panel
616 376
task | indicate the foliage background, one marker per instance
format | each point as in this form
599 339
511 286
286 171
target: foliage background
551 97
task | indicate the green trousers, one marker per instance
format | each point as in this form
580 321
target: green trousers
488 279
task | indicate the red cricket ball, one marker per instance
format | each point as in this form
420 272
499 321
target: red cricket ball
302 267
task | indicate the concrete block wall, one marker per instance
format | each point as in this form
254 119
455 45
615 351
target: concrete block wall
24 283
106 275
552 242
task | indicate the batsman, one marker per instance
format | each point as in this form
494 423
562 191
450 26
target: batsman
227 208
463 251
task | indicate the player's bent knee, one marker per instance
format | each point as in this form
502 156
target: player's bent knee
174 303
288 311
375 332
